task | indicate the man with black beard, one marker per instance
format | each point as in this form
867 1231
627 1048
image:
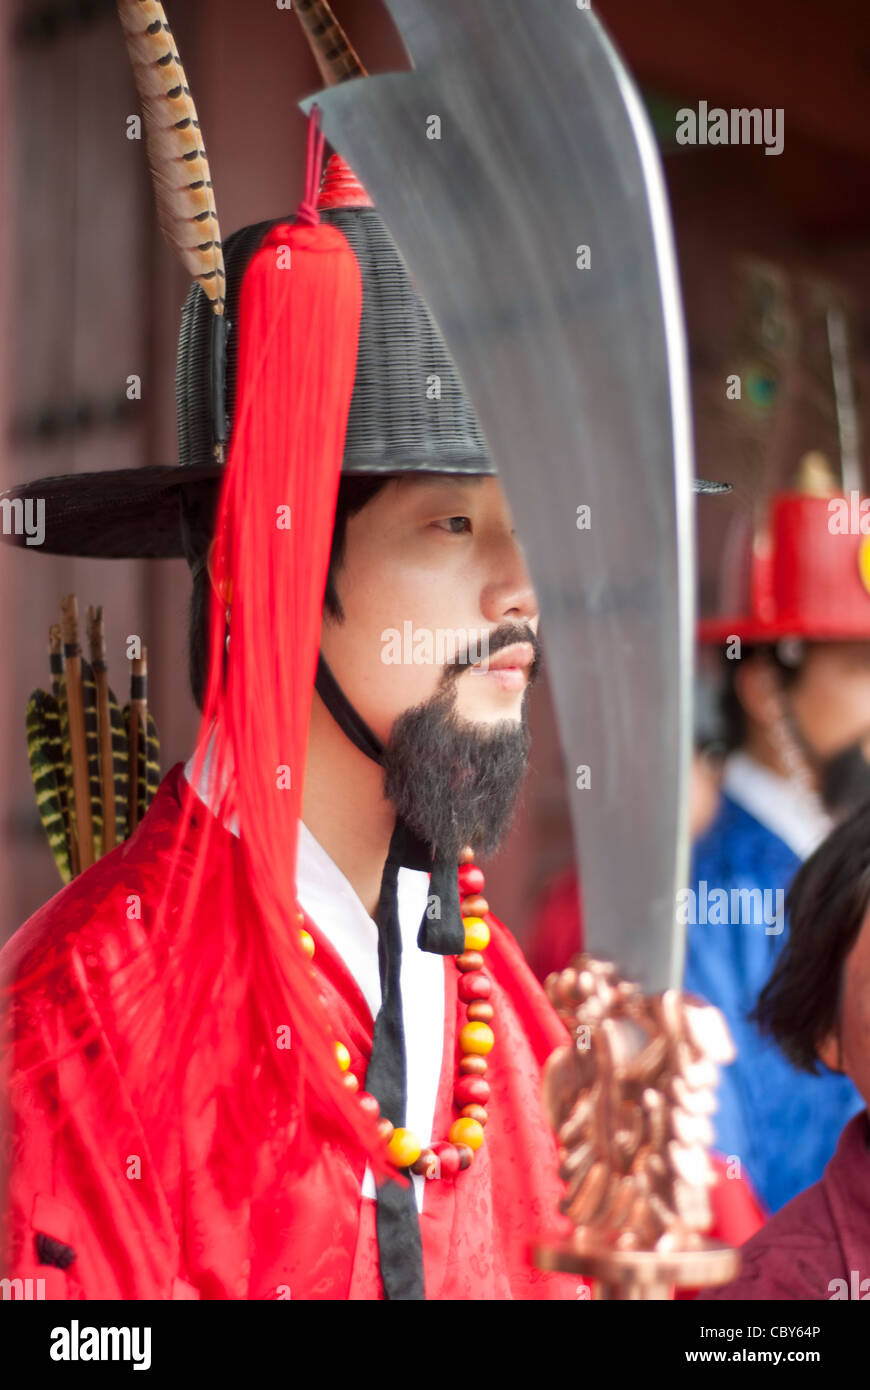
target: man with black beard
306 1056
404 759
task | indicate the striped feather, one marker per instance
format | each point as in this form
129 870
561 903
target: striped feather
46 767
92 747
120 773
55 658
66 759
335 56
176 154
52 721
141 781
152 761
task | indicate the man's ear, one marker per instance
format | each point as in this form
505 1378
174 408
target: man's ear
225 590
830 1052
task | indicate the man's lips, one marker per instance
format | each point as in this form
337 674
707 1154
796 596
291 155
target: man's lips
518 654
509 667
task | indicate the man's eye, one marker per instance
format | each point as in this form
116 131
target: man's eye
456 525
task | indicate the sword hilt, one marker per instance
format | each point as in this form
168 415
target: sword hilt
630 1098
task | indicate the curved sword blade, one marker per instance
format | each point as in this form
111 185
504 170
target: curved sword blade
518 141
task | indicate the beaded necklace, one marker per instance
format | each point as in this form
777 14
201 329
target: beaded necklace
471 1089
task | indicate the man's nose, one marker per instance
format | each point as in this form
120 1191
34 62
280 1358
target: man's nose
509 593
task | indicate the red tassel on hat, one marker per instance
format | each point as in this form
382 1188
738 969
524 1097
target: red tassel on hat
299 315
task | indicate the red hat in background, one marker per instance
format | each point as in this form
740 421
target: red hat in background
808 568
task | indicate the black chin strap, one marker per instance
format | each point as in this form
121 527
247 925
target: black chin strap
400 1248
344 714
441 930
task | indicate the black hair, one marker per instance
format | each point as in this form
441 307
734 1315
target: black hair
198 512
733 713
826 905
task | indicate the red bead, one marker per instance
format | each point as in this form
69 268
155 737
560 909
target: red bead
471 1090
349 1080
475 906
448 1157
472 1065
471 879
469 960
474 1112
369 1104
474 985
427 1164
480 1012
466 1156
385 1130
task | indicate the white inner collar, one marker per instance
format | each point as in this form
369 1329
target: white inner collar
779 804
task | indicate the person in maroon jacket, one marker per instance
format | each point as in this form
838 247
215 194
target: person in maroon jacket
816 1006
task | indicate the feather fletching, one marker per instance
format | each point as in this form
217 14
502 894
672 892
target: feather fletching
120 771
152 761
66 759
46 767
179 167
92 746
141 764
50 752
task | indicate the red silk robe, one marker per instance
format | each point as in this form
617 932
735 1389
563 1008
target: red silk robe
170 1230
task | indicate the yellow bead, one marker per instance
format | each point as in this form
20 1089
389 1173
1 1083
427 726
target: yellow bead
477 1038
476 934
404 1148
307 943
466 1132
342 1056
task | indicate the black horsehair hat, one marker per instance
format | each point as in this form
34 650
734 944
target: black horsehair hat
397 422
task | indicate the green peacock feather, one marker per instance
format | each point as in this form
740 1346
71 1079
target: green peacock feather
45 750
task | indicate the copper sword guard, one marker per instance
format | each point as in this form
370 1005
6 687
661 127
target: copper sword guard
630 1099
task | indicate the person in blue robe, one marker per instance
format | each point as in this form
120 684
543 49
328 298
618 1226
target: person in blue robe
777 1125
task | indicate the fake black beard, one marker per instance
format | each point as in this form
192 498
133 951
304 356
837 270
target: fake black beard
453 782
845 780
844 777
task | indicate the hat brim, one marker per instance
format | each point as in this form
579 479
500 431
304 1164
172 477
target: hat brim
126 514
130 513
